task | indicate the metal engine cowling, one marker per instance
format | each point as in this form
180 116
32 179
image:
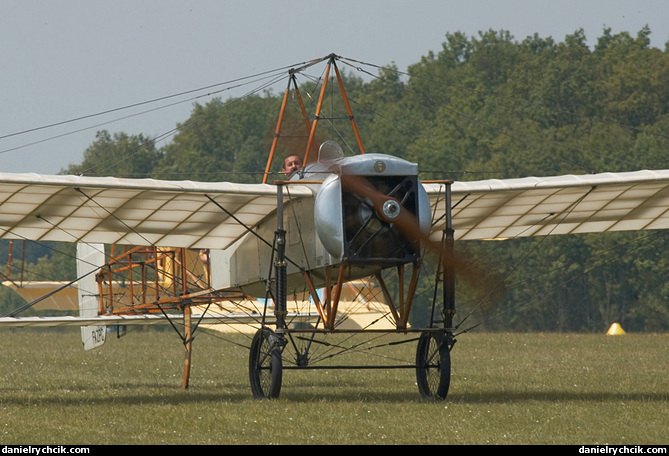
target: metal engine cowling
352 228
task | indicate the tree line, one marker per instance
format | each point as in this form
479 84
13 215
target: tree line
488 106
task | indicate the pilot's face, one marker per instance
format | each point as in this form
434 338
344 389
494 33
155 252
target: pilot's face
292 164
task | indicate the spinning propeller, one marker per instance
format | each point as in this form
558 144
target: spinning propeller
395 210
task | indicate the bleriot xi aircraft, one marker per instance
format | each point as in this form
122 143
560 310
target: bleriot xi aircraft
285 255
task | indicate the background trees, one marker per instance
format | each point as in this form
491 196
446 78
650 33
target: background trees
480 107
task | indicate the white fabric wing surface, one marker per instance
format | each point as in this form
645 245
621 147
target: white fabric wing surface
214 215
535 206
132 211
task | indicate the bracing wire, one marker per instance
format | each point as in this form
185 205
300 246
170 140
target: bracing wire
237 83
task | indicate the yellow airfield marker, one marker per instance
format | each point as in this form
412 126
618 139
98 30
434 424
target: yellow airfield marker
615 330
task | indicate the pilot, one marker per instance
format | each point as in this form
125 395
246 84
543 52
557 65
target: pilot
291 164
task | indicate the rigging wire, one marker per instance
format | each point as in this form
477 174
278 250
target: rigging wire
190 123
274 75
155 100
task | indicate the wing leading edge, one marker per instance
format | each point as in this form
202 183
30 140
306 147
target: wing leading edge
132 211
536 206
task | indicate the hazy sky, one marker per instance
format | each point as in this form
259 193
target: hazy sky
66 59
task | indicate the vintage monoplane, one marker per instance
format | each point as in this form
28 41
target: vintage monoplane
252 251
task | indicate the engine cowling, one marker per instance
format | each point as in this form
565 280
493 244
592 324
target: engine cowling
356 207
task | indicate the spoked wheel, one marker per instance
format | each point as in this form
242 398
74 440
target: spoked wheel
433 365
265 366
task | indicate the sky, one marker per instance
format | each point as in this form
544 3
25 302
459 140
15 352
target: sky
69 59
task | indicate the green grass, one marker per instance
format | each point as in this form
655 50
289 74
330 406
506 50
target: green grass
505 389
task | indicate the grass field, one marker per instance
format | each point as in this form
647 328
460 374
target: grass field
505 389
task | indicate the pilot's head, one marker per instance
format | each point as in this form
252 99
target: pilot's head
291 164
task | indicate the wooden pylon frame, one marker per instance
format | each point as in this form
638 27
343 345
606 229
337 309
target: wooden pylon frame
311 125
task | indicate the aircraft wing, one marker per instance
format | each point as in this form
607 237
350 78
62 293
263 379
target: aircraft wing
111 210
538 206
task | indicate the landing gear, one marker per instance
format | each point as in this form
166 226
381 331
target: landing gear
265 365
433 365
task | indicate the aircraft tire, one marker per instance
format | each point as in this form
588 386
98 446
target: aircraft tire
433 366
265 365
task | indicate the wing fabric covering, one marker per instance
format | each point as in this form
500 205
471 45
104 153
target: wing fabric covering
535 206
132 211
